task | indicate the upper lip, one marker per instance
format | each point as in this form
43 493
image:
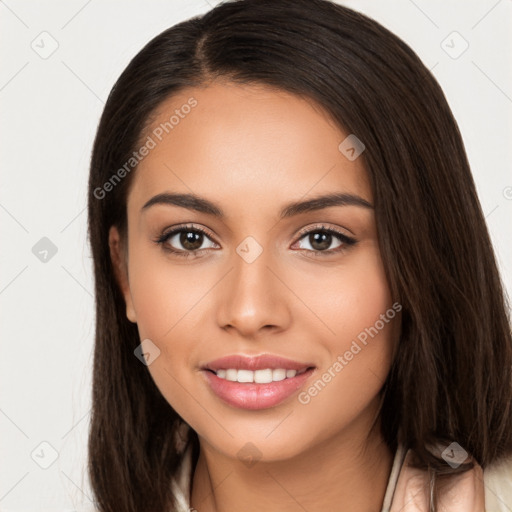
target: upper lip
261 362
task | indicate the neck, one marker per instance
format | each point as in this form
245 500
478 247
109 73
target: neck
345 472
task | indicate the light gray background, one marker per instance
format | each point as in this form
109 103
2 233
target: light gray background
50 108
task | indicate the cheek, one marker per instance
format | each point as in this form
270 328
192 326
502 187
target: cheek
348 298
164 293
167 298
356 305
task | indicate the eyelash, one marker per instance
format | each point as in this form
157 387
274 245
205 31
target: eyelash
346 240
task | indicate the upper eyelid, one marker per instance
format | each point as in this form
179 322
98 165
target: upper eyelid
322 227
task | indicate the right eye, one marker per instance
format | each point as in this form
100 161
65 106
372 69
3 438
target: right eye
190 238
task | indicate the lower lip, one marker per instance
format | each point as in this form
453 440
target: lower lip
255 396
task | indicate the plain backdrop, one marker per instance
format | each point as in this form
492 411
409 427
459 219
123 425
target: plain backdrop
59 61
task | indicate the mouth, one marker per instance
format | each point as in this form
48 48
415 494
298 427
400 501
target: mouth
257 382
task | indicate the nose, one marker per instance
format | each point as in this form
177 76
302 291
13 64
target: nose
252 298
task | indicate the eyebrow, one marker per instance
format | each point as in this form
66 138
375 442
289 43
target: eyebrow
203 205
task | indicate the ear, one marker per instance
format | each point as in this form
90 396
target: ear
119 263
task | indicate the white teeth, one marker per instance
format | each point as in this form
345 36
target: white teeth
245 376
231 375
263 376
259 376
278 374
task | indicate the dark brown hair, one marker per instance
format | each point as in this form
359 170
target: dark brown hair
451 379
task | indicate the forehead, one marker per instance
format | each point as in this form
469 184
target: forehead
244 144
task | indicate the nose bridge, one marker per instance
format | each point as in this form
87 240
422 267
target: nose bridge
253 297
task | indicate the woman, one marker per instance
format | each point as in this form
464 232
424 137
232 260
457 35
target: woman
298 306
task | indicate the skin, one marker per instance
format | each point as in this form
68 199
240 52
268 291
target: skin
251 150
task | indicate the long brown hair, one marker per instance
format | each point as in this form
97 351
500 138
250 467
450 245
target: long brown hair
451 379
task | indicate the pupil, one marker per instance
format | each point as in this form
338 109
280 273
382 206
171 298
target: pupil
189 239
321 241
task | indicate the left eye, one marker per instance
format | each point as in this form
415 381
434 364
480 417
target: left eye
320 240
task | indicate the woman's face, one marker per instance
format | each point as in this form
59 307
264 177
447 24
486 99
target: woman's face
259 285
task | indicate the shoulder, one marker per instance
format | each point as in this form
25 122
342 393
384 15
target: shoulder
474 490
498 486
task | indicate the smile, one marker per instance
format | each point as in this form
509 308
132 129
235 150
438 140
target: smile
259 382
